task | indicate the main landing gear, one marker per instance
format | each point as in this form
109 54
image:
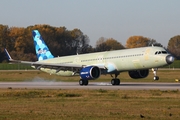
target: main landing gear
83 82
155 73
115 81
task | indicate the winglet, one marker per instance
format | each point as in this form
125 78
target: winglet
8 55
15 61
42 50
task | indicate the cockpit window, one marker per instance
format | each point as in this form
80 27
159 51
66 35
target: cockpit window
161 52
164 52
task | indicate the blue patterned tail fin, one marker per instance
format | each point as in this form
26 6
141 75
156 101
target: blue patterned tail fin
42 51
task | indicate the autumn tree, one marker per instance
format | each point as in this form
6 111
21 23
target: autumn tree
140 41
114 44
89 49
29 43
101 45
79 41
104 44
154 43
61 42
4 41
17 36
100 41
174 46
137 41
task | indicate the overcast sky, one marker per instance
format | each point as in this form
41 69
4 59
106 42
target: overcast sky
118 19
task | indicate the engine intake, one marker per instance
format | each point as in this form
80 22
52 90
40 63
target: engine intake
136 74
90 73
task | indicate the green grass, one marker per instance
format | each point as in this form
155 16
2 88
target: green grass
6 66
20 104
28 75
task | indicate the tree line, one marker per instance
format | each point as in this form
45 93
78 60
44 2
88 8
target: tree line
61 41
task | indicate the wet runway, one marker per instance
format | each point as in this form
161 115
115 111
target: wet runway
92 85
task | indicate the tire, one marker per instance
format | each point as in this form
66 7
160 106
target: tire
81 82
117 82
113 81
86 82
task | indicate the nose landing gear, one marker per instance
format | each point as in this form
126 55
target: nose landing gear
155 73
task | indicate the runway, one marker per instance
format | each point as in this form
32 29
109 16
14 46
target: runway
92 85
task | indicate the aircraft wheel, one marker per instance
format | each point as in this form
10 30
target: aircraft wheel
86 82
81 82
113 81
156 78
117 82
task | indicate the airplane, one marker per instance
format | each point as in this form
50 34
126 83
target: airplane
136 61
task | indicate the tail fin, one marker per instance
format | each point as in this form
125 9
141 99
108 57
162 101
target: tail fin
42 51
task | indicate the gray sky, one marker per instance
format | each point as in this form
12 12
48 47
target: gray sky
118 19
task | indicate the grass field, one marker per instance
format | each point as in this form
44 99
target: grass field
20 104
37 104
6 66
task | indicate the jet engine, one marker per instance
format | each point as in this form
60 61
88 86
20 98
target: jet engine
136 74
90 73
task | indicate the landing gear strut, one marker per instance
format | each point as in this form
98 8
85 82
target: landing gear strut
155 73
115 81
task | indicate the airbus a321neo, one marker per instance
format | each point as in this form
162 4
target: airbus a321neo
136 62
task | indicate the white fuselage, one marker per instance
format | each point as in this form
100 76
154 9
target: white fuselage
118 60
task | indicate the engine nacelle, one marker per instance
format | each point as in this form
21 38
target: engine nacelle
90 73
136 74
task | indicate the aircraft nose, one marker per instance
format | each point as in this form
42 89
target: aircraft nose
169 59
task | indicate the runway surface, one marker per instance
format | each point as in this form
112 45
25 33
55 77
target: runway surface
92 85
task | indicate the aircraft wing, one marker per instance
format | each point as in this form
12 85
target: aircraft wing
63 66
57 66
